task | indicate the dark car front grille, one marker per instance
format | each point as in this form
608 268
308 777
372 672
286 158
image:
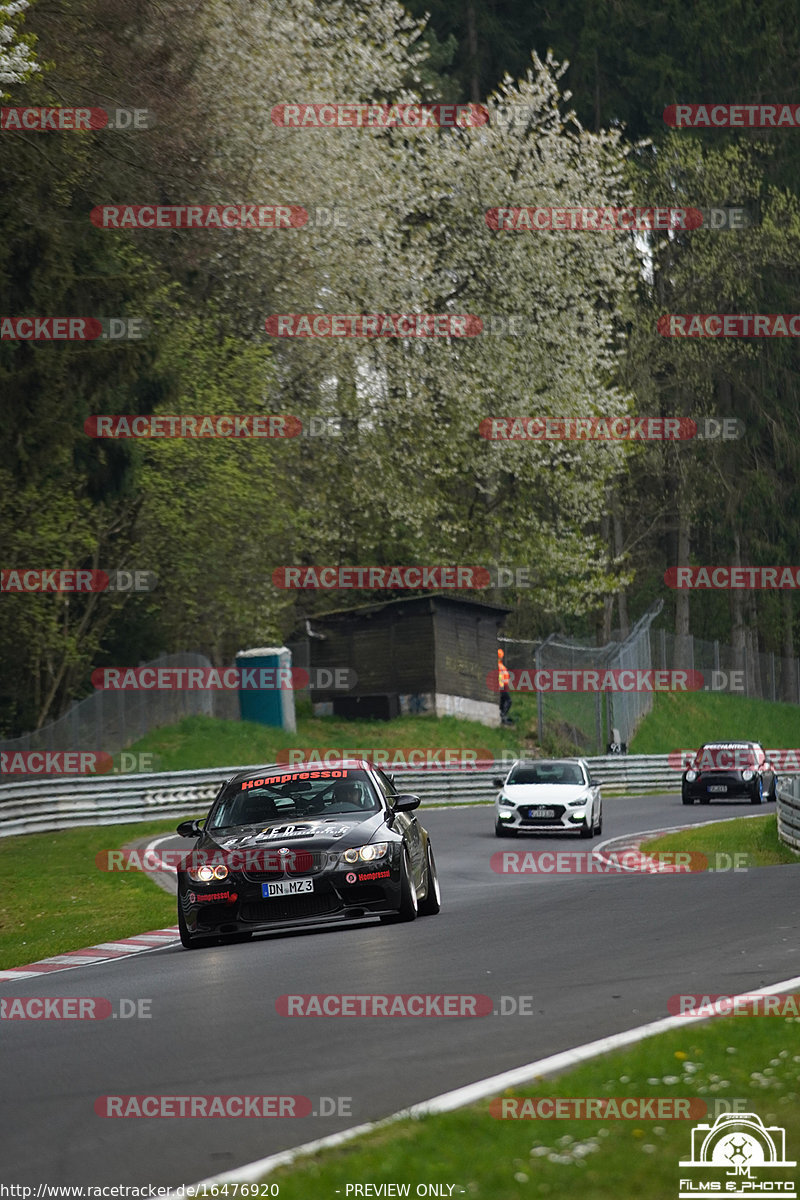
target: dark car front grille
363 893
730 779
214 915
288 908
557 809
299 862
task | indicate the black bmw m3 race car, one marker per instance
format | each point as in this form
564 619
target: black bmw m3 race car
291 846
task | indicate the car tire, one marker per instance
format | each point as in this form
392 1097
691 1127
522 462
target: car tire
433 896
409 905
598 829
586 830
687 799
772 794
758 793
501 830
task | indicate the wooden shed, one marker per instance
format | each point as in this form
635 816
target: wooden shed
420 654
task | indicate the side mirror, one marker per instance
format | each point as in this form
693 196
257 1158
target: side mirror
189 829
405 802
497 782
594 783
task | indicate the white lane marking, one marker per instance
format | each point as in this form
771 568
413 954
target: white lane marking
636 839
143 943
167 867
447 1101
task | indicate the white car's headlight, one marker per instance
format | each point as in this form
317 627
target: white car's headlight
366 853
691 776
579 802
505 801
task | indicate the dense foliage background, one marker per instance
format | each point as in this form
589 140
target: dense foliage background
408 480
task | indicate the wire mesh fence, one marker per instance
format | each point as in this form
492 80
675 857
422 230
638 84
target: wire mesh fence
594 720
590 720
744 671
109 721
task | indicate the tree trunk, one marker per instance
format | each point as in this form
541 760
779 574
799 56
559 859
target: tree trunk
608 599
755 683
789 682
622 598
738 635
472 51
683 658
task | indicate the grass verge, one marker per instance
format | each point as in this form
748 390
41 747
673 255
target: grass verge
60 900
677 721
757 837
198 742
734 1058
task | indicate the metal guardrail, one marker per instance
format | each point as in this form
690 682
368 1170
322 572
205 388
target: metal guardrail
789 810
42 805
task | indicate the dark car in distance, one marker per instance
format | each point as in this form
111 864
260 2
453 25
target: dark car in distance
301 845
727 770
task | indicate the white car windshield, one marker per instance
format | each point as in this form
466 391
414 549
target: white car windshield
547 772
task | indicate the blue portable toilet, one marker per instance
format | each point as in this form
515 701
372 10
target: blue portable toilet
267 705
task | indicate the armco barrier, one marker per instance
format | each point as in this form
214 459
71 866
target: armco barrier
789 810
40 805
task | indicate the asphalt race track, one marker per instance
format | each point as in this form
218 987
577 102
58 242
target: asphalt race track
597 954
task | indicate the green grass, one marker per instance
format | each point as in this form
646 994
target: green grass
757 837
58 899
686 720
752 1059
198 742
678 721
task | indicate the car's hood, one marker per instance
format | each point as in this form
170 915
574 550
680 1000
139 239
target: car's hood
321 833
545 793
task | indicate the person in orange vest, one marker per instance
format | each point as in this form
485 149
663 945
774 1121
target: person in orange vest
504 679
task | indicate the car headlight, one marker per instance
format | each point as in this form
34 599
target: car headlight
747 775
206 873
578 803
505 801
366 853
691 776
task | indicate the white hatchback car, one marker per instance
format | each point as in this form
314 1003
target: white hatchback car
548 794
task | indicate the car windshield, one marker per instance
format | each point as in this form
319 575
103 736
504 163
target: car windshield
294 796
547 772
730 756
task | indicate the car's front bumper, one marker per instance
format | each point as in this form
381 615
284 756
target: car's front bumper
720 785
239 904
563 820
